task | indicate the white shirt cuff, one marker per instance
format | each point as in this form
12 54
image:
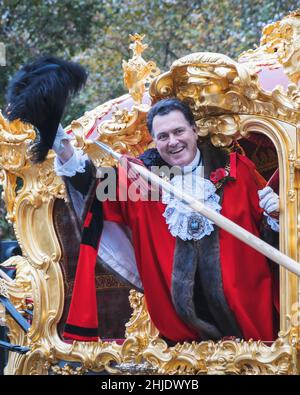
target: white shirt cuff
76 164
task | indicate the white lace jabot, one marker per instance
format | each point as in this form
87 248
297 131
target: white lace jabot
181 220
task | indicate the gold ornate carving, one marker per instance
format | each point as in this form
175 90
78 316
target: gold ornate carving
140 327
22 279
223 357
138 72
223 130
15 132
82 126
9 184
68 370
50 185
20 288
279 45
18 291
125 131
213 84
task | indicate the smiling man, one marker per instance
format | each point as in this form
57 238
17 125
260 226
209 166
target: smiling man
175 136
199 281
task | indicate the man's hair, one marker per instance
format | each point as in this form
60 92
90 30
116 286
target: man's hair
165 106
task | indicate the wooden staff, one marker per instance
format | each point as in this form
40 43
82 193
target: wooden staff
223 222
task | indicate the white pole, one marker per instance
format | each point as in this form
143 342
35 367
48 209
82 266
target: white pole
223 222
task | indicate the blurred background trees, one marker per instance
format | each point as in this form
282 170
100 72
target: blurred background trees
96 33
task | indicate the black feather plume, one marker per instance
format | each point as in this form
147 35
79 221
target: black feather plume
38 94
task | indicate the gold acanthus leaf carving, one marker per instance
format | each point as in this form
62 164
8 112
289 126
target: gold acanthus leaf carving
49 183
223 129
218 65
213 84
9 183
140 324
83 125
15 132
126 132
13 156
68 370
220 358
20 288
118 124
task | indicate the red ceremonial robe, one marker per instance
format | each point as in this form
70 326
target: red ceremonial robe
246 275
228 284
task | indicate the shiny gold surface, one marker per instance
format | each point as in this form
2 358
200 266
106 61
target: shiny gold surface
228 104
213 84
279 46
138 72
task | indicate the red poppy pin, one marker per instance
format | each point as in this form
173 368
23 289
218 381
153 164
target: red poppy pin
220 176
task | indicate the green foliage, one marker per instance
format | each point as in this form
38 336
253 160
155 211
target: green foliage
96 33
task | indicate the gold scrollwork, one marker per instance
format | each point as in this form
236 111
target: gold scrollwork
224 357
223 130
20 288
126 132
49 183
68 370
15 132
9 183
213 84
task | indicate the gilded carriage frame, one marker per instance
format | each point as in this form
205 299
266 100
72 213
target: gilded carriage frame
228 103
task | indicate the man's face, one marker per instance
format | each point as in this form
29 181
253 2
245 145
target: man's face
175 138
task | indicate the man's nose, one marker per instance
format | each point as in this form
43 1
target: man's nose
172 140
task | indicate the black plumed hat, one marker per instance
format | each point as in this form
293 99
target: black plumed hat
38 93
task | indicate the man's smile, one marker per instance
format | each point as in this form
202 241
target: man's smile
176 151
